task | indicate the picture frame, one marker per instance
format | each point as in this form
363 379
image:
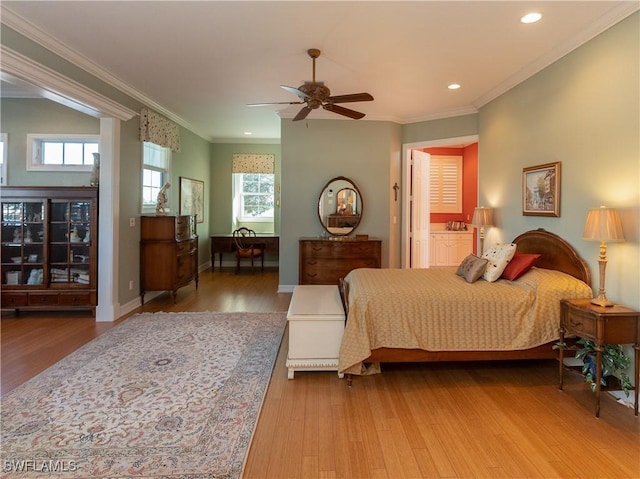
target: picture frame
541 190
192 198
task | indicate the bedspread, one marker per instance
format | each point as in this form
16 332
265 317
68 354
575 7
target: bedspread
436 310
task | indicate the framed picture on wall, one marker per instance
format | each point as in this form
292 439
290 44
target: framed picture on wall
192 198
541 190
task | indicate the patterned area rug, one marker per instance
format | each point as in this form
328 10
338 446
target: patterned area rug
161 395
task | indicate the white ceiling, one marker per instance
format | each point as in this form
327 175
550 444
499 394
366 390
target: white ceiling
201 62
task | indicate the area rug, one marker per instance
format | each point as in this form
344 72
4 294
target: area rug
161 395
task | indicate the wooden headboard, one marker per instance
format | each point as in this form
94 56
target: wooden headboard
556 253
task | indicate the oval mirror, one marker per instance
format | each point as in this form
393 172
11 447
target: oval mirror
340 206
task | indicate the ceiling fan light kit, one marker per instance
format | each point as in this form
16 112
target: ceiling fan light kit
314 94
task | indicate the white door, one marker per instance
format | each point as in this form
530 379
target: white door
420 218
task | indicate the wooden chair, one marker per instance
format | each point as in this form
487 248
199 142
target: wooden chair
247 248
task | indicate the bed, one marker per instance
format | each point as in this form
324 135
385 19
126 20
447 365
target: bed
419 315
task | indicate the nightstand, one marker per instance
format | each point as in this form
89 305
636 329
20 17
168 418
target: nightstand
612 325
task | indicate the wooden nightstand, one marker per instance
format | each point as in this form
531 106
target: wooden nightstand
612 325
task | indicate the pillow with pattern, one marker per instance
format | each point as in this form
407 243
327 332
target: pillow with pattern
472 268
498 257
519 265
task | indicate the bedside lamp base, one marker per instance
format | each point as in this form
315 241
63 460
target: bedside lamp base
602 300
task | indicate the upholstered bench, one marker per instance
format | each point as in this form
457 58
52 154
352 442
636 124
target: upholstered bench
316 324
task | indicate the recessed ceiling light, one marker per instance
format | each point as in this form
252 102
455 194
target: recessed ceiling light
453 86
532 17
248 133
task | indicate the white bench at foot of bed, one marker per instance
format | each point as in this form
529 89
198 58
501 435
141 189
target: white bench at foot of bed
316 324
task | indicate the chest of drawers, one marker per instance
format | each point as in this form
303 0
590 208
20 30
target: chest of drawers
325 261
168 253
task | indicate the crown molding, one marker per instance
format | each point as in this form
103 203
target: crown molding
451 112
259 141
46 40
20 70
612 17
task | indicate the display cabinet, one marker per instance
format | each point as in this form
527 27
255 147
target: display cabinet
48 242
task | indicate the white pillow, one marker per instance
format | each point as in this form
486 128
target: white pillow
498 257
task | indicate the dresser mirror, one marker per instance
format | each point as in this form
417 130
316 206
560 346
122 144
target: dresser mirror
340 206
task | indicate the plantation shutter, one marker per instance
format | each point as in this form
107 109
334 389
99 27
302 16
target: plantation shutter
445 181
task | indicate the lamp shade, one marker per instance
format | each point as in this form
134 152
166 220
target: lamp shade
603 224
482 216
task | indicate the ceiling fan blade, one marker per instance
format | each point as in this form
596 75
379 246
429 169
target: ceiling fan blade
340 110
302 114
350 98
300 94
277 103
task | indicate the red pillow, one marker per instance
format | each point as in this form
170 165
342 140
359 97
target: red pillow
519 265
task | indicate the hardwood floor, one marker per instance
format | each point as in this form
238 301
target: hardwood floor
443 420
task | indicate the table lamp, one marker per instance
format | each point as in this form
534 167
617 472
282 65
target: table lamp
603 224
482 217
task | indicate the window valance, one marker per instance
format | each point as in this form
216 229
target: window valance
159 130
253 163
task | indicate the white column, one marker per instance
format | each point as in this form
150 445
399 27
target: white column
108 216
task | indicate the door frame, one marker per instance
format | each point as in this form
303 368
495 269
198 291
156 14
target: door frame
405 226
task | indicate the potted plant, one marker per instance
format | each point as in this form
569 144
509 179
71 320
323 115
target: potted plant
614 360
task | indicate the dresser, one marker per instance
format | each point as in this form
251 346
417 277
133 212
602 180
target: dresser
325 261
168 253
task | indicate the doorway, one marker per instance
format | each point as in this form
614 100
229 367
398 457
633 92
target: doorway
416 214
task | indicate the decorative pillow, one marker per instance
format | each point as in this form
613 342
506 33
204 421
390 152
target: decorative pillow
498 257
472 268
519 265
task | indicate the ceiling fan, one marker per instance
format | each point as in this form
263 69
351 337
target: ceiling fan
315 94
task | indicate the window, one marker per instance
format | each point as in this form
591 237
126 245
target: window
253 197
445 184
3 159
61 152
156 169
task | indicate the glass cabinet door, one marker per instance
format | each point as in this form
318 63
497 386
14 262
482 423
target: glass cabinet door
70 242
22 242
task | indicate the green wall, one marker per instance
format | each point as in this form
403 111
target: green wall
22 116
19 117
192 161
221 192
584 111
314 152
455 126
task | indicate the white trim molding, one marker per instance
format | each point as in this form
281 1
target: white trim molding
44 39
19 69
